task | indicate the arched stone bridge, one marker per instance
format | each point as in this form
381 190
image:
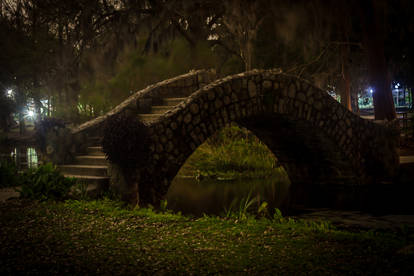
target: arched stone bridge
321 145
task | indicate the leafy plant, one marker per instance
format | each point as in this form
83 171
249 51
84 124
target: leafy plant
242 213
245 205
163 205
80 189
277 216
124 140
44 183
319 225
262 210
228 211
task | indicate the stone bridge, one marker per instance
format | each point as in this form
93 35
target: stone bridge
324 148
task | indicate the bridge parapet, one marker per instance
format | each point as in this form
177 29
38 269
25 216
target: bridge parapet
182 85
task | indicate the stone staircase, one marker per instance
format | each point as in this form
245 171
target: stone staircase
163 106
92 168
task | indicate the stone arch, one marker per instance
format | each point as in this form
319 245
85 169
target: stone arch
317 140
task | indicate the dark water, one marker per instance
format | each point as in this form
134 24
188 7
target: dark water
23 156
212 197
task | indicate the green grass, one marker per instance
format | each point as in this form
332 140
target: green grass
233 152
106 237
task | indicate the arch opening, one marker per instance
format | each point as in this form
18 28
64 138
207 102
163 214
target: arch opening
232 165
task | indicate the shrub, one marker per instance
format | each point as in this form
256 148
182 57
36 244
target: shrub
125 141
44 183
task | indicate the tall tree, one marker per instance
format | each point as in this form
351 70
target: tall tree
375 20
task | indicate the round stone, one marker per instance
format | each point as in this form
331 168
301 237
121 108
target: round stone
187 118
194 108
211 95
218 103
252 88
267 84
160 148
292 91
174 125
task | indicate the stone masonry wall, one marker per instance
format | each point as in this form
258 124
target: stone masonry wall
313 136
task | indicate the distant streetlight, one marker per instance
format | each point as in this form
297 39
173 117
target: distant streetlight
30 114
10 93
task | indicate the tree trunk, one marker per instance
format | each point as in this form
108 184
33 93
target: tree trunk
346 88
249 54
374 33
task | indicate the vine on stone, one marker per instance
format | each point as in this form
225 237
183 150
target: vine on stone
125 141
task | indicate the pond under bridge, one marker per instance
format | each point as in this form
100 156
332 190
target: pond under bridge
324 148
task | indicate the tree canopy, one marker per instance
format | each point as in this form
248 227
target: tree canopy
77 59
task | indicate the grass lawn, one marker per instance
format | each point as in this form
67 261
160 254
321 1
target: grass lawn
233 152
104 237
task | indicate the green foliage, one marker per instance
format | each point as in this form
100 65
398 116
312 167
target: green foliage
234 152
124 141
244 209
320 225
87 237
163 205
277 216
136 70
9 176
80 189
45 183
262 211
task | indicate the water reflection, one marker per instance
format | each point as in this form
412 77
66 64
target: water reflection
24 157
212 196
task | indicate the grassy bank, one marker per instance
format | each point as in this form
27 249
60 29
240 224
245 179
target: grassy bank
103 237
232 152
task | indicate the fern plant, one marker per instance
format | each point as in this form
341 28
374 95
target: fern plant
44 183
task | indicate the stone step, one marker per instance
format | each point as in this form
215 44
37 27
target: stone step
90 180
86 170
95 139
91 160
160 109
172 101
148 117
95 151
407 159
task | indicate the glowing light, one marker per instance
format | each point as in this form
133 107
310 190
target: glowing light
396 86
371 90
30 113
9 93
